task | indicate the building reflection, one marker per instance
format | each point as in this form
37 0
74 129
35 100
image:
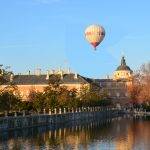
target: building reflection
118 134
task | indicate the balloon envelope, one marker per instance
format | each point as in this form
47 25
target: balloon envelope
94 35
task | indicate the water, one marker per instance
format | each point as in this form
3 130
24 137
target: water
126 133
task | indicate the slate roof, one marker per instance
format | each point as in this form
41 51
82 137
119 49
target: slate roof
69 78
104 80
29 79
41 79
109 80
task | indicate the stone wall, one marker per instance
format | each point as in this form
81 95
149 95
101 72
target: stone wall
19 122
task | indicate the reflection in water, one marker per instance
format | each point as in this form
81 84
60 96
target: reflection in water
118 134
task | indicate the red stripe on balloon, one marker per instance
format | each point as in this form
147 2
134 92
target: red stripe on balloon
95 44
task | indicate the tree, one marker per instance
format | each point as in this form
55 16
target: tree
54 81
26 105
140 89
84 95
73 100
12 88
4 75
37 100
67 98
134 92
90 97
9 101
51 100
145 82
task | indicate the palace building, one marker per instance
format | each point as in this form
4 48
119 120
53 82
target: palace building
37 82
115 87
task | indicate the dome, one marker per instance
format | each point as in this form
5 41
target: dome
123 66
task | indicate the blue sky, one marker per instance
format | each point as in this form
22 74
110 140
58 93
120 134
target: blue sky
50 34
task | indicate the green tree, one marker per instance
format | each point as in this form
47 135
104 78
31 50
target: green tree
37 101
9 101
27 105
51 98
90 97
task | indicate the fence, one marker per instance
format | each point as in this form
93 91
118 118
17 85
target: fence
56 117
54 111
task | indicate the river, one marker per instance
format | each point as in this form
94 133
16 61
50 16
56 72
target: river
123 133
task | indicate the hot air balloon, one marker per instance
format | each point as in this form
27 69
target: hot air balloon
94 34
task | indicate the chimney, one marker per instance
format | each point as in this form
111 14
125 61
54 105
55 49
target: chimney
47 75
52 71
75 76
61 74
2 71
59 69
107 77
29 72
11 77
69 71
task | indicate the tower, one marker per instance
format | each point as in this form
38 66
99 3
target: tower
123 71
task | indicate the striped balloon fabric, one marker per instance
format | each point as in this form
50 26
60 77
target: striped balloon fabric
94 35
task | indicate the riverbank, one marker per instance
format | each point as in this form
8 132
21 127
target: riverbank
20 122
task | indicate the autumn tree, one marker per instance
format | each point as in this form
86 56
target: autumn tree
140 89
145 82
135 89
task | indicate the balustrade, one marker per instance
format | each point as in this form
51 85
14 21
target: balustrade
60 111
6 114
77 110
15 114
64 110
55 111
44 111
24 113
50 111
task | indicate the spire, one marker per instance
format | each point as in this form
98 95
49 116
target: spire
123 61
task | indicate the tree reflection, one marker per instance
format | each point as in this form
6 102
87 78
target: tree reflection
118 133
